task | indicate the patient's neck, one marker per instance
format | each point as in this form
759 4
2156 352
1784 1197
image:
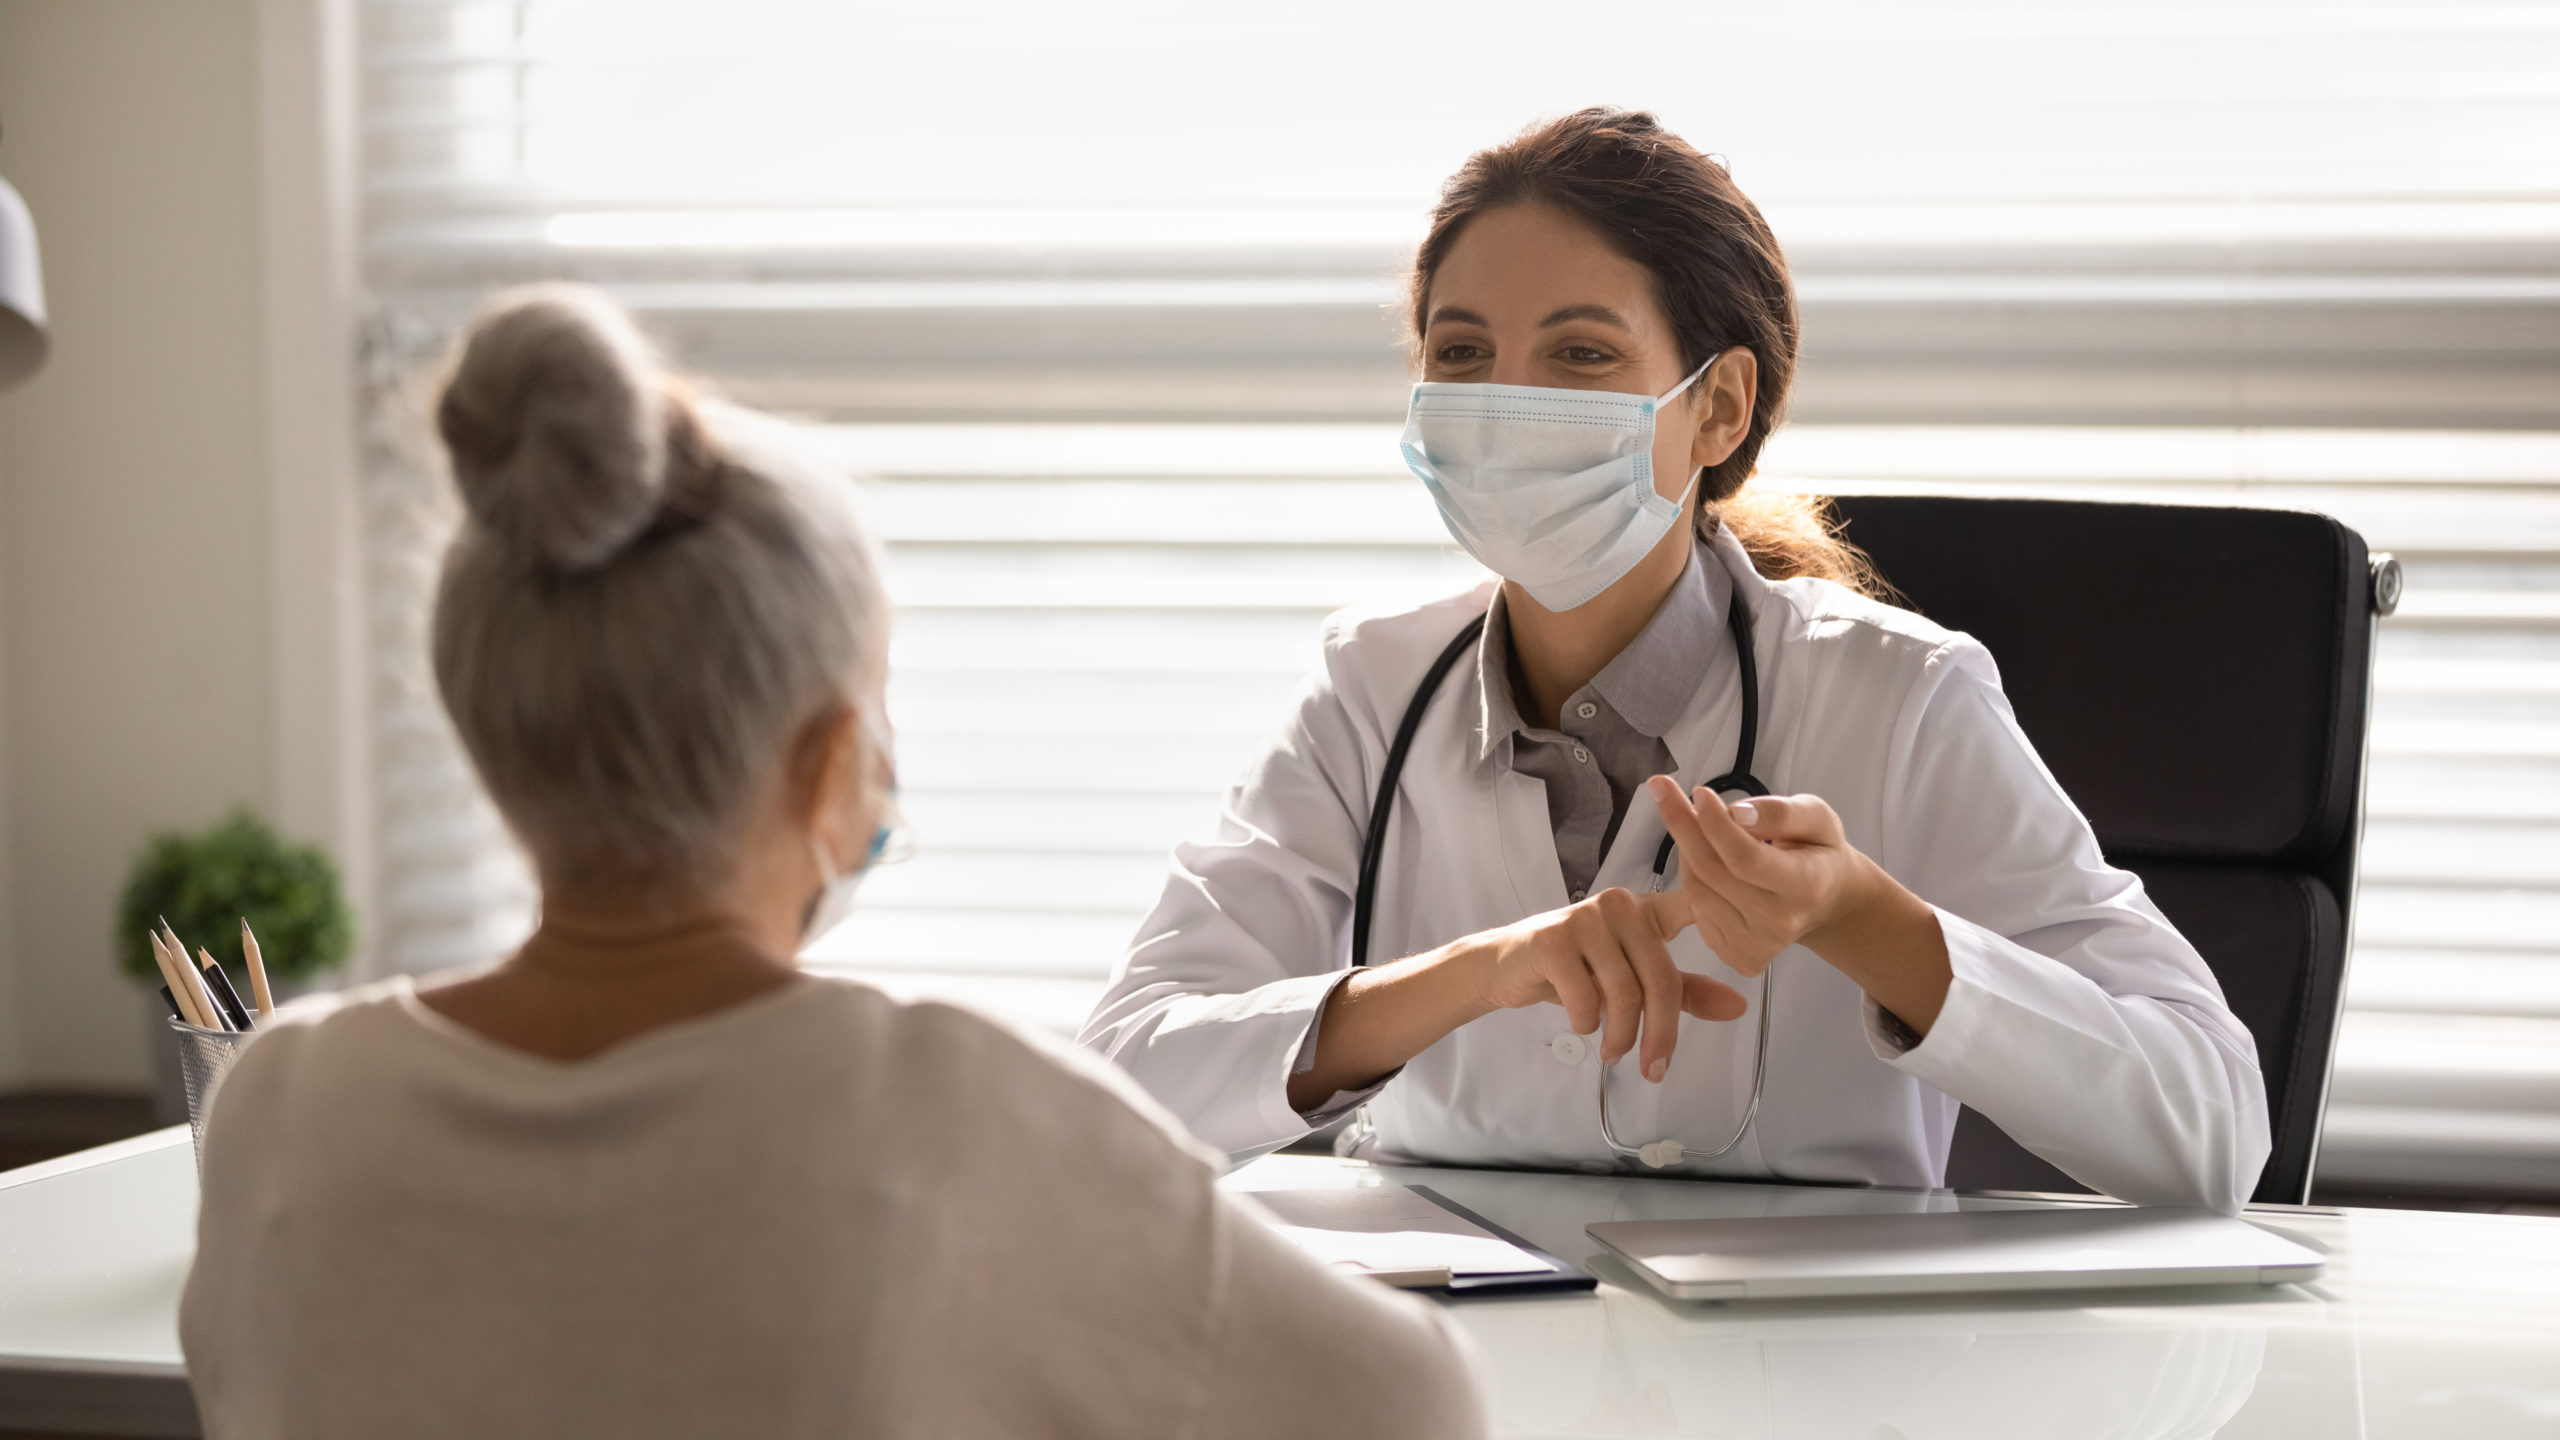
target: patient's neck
621 929
606 966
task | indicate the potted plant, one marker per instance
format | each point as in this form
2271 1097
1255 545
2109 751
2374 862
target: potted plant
204 885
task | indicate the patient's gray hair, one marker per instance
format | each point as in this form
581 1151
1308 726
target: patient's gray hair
650 596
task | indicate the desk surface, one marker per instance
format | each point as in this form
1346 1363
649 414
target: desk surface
2426 1324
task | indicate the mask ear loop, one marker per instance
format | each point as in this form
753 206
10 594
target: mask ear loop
1667 396
828 875
829 872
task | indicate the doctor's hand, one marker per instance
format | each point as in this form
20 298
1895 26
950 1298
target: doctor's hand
1606 961
1759 875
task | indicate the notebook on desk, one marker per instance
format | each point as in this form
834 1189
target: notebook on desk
1413 1237
1951 1251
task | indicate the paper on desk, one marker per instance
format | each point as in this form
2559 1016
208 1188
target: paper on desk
1390 1230
1398 1251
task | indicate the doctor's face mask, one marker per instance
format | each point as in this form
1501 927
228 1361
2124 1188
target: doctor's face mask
1550 489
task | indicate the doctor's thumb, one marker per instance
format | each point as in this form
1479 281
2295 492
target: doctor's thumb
1778 817
1710 1000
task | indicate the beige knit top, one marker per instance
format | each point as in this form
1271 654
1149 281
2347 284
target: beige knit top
823 1212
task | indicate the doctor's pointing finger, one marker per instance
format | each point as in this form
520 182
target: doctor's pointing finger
1674 785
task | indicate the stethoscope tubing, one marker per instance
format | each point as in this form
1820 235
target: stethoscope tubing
1655 1154
1739 778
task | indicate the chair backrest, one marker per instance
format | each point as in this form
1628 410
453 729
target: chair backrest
2198 679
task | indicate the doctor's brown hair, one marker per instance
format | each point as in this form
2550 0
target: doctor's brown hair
1717 274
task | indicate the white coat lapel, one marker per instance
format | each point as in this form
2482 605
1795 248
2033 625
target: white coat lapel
1528 843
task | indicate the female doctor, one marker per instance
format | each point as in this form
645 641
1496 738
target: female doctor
1674 788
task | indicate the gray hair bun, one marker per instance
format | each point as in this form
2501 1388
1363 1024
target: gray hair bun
557 422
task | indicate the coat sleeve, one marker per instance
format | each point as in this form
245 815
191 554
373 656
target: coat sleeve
2079 1020
1217 997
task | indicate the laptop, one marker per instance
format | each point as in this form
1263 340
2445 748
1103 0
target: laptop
1952 1251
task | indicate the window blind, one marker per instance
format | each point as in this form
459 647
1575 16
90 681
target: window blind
1102 298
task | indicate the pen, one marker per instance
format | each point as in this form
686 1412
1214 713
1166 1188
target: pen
172 1002
219 982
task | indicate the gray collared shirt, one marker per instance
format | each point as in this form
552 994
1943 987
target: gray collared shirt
1608 739
1607 743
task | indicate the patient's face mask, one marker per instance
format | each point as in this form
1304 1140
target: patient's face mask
1550 489
834 902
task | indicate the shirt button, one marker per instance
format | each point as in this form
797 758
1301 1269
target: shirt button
1581 756
1579 894
1586 709
1568 1048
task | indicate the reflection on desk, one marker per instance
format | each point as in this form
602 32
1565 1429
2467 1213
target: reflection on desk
2372 1350
1632 1366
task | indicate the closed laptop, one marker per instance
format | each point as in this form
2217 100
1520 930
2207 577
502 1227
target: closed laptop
1952 1251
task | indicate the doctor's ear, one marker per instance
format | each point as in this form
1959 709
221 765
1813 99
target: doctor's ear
1722 416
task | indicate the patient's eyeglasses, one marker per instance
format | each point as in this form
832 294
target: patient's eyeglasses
893 841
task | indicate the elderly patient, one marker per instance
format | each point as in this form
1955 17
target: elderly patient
645 1178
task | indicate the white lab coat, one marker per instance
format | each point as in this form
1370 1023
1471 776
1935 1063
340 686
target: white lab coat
2079 1020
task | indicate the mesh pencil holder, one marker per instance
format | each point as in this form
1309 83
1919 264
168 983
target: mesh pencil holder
202 1057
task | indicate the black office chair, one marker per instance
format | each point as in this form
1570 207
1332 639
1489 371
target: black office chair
2198 678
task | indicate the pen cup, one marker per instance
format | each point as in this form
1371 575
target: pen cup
202 1057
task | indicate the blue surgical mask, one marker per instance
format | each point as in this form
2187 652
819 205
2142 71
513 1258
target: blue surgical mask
834 902
1550 489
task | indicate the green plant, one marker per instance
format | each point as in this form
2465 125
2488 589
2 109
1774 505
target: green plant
205 884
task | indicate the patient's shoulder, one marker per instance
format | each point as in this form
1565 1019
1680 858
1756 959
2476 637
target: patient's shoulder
995 1076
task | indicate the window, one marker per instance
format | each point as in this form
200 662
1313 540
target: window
1104 298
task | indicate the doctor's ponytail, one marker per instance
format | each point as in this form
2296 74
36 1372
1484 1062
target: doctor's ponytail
1717 272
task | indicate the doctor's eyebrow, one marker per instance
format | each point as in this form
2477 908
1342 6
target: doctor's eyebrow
1456 316
1601 313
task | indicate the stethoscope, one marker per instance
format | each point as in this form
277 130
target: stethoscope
1737 616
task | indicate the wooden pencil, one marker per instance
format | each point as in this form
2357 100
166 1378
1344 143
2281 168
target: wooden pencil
199 1011
168 977
178 987
202 994
257 970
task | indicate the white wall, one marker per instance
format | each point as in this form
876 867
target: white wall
136 660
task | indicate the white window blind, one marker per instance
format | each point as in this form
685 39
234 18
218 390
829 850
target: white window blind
1103 298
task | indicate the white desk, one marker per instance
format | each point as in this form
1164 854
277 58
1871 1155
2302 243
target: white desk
93 1248
2426 1325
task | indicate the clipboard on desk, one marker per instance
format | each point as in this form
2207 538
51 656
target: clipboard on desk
1415 1238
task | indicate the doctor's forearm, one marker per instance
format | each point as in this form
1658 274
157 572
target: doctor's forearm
1889 941
1384 1016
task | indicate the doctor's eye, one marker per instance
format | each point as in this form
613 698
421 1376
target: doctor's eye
1584 355
1459 352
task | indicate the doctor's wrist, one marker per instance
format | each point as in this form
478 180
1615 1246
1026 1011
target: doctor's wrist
1889 941
1470 972
1385 1015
